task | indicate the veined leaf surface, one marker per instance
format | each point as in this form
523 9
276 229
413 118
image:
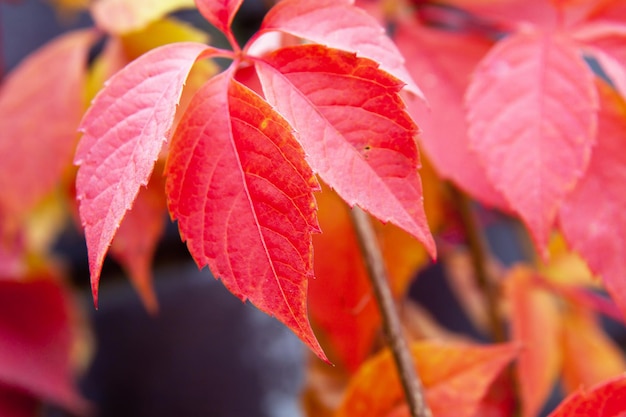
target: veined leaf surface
532 119
354 129
124 131
239 186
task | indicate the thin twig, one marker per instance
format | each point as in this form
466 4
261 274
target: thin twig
391 321
478 255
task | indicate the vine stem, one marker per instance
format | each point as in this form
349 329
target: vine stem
392 328
478 254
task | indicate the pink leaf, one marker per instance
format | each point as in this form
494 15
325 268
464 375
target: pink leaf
36 341
242 193
354 129
124 131
339 24
532 116
443 61
219 12
592 216
40 108
604 400
605 42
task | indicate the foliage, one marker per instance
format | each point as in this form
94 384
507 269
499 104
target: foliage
253 162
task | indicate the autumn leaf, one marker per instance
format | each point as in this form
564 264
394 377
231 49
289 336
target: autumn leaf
536 325
139 233
455 378
122 16
339 24
27 149
219 13
35 343
590 356
443 62
517 13
596 227
353 128
242 194
159 33
16 402
534 143
604 41
341 302
124 131
604 400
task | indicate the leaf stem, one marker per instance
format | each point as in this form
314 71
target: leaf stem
478 255
391 321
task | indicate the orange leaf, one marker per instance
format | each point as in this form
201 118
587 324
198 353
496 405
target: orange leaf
535 325
451 374
340 298
589 355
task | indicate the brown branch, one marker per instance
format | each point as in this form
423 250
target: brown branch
478 254
391 321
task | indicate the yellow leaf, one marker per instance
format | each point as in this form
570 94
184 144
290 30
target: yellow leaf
158 33
589 355
567 267
124 16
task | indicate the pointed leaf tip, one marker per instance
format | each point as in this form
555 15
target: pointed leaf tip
534 143
241 191
219 13
124 130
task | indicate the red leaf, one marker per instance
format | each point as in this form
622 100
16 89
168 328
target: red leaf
455 378
124 131
443 61
339 24
137 238
535 324
44 90
36 340
242 193
605 400
592 217
532 115
353 127
219 13
16 403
